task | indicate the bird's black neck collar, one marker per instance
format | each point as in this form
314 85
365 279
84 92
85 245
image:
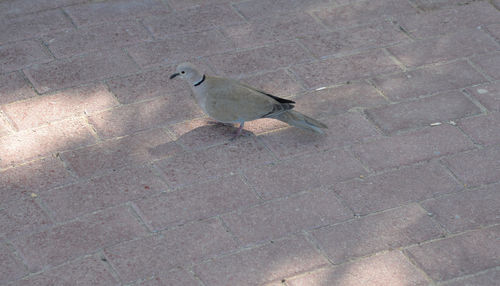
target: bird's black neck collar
202 80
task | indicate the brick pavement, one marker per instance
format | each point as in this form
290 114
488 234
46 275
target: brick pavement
111 175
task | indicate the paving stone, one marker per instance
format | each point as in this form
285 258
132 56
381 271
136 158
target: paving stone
99 37
74 102
115 188
370 234
178 48
444 21
281 217
422 112
172 278
89 270
483 129
257 9
361 12
335 100
14 88
27 26
343 129
337 70
429 5
79 70
476 167
493 29
260 59
196 202
466 210
412 147
428 80
488 94
387 269
262 264
115 154
107 11
445 48
22 54
21 217
11 267
36 143
459 255
38 176
353 39
12 8
303 173
194 19
396 188
273 29
183 4
489 63
183 246
484 279
5 126
128 119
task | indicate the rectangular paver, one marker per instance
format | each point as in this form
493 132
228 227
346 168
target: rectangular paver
11 267
22 217
18 55
489 63
488 94
14 87
483 129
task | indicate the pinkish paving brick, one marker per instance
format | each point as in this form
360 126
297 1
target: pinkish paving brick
387 269
172 278
22 54
14 88
38 176
396 188
329 101
422 112
268 9
110 11
483 129
259 59
183 4
89 270
277 28
428 80
5 126
281 217
196 202
466 210
370 234
115 154
18 7
55 137
319 169
79 70
74 102
178 48
429 5
342 130
199 18
11 267
279 83
182 169
361 12
459 255
136 117
494 30
83 236
111 189
21 217
412 147
145 86
352 39
465 43
489 63
476 167
488 94
159 253
448 20
100 37
266 263
336 70
490 277
28 26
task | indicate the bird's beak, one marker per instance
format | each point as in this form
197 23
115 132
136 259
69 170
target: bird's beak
174 75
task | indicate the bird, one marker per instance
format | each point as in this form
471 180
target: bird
229 101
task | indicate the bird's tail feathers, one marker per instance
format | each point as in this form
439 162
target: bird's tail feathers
300 120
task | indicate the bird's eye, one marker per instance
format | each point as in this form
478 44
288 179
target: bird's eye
183 72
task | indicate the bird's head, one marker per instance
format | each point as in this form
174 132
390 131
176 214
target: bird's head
187 72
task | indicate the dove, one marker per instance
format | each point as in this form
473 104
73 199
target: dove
229 101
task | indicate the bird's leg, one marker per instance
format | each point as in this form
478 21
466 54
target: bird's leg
238 132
